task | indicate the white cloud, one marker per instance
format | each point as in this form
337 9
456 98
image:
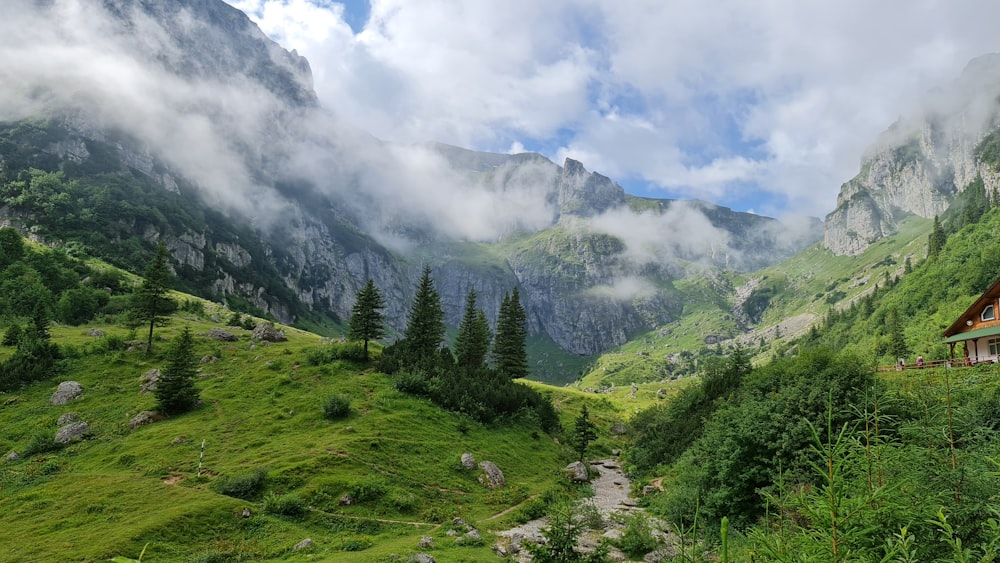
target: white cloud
672 93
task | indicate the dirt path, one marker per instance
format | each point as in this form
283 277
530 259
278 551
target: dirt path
503 513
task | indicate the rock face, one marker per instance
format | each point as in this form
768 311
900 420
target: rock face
66 392
919 164
71 432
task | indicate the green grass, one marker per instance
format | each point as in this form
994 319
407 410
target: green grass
120 489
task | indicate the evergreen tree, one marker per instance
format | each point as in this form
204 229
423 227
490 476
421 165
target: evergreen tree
472 343
11 246
150 301
35 356
584 432
425 327
935 240
509 349
367 322
897 342
175 392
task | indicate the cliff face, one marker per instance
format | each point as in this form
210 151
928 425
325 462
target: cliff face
252 222
919 164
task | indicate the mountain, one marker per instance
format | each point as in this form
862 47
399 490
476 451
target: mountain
123 124
920 163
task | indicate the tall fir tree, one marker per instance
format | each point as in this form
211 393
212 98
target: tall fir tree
367 321
175 391
509 348
151 302
425 328
584 432
472 343
936 240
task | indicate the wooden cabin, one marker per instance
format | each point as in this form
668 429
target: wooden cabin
978 328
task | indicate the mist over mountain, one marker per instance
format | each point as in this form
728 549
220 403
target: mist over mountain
192 97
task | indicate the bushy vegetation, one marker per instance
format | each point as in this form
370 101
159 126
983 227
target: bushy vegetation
247 484
336 407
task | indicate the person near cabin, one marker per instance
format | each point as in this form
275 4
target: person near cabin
920 362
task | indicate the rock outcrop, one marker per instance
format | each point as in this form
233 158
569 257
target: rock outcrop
66 392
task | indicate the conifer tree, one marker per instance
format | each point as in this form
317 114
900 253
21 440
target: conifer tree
935 240
367 322
584 432
509 349
425 326
175 391
472 343
150 301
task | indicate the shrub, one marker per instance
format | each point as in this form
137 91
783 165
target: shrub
284 505
41 442
637 539
246 484
372 488
336 407
13 335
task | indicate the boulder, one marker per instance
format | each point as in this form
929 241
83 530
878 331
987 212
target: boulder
147 383
268 333
577 472
143 418
13 456
492 476
67 391
421 558
95 332
302 544
73 431
221 334
245 513
67 418
473 535
468 461
346 500
209 359
426 542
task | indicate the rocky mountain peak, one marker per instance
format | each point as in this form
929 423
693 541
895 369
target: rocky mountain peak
584 194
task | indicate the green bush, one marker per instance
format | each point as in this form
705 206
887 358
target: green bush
246 484
637 539
336 407
284 505
370 489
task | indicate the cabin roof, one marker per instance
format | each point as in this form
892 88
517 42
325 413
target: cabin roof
972 313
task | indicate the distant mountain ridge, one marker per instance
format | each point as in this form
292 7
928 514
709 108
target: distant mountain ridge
265 200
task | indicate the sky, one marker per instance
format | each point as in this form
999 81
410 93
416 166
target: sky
763 106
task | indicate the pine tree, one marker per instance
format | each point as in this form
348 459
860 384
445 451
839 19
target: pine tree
425 327
935 240
175 391
584 432
897 342
472 343
509 349
367 322
150 301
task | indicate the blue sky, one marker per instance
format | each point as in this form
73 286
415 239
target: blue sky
762 106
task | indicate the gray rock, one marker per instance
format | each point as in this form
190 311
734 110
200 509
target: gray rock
67 418
245 513
473 535
209 359
577 472
268 333
95 332
346 500
143 418
73 431
492 476
421 558
302 544
619 428
147 383
426 542
13 456
67 391
221 334
648 490
468 461
451 533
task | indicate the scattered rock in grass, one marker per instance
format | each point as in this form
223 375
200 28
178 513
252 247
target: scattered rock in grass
178 440
221 334
492 476
346 500
13 456
451 533
73 431
473 535
209 359
421 558
147 383
577 472
95 332
245 513
468 461
67 418
268 333
616 453
143 418
303 544
426 542
67 391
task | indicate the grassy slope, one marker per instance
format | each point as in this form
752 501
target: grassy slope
109 495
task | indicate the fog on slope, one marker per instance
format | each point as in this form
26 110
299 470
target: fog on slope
118 67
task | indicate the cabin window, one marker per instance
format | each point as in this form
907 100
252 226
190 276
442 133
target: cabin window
994 344
988 313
